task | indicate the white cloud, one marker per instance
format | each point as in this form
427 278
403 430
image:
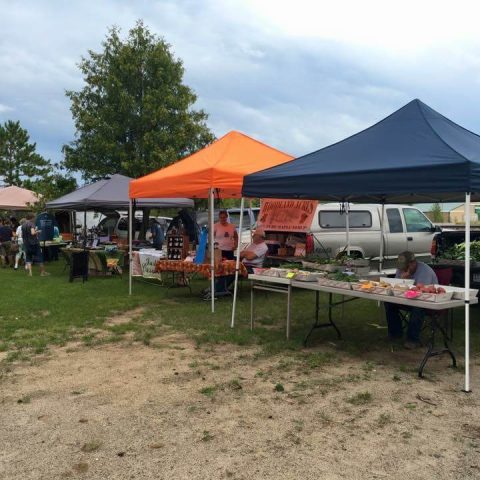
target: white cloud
5 108
298 75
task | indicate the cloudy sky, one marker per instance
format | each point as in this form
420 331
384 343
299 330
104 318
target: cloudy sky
298 75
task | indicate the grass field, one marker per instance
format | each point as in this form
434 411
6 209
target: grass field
103 385
39 312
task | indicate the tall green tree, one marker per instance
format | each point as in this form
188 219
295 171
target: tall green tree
134 114
436 213
19 161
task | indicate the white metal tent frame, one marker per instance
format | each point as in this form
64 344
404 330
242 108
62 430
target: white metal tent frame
211 204
467 279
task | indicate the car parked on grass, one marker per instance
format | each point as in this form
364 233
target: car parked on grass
116 224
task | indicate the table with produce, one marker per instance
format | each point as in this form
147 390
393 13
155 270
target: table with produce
350 286
226 267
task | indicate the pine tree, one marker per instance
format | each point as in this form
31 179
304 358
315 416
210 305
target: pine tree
19 161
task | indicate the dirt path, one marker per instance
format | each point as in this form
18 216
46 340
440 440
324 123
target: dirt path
172 411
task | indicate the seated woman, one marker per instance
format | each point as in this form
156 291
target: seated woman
252 256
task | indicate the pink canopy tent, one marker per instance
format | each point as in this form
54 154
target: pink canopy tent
16 198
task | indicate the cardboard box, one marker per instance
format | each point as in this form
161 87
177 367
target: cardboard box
300 250
217 256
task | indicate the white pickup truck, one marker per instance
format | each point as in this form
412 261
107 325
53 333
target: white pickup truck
406 228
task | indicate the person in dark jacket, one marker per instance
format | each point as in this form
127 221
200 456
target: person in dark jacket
158 237
32 247
6 235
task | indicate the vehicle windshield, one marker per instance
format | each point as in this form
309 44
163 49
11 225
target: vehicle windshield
235 219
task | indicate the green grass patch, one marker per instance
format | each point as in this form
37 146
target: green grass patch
318 359
360 398
207 436
40 312
234 384
208 391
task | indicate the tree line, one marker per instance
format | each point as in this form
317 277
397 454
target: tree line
133 115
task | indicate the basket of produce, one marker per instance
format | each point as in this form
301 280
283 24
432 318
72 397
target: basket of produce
459 293
341 280
426 293
399 290
259 271
431 293
405 282
323 267
361 270
312 265
302 276
316 262
364 286
270 272
286 272
331 267
382 288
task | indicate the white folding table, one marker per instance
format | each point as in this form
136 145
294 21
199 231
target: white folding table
286 286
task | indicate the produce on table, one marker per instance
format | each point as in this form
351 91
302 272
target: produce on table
457 252
291 266
420 287
412 294
222 268
343 277
315 258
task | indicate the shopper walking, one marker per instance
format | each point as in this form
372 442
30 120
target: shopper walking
19 238
6 235
32 245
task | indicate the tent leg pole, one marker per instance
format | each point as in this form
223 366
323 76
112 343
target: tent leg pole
251 231
84 227
212 250
347 225
130 242
467 292
382 237
237 264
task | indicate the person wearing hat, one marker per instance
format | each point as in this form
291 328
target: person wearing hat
252 256
408 267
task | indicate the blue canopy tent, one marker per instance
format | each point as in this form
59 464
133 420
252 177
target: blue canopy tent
414 155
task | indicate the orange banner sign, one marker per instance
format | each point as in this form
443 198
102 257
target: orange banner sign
287 215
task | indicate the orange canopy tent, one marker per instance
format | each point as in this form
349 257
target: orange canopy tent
221 166
217 169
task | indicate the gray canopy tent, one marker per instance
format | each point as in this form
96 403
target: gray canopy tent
413 155
111 194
